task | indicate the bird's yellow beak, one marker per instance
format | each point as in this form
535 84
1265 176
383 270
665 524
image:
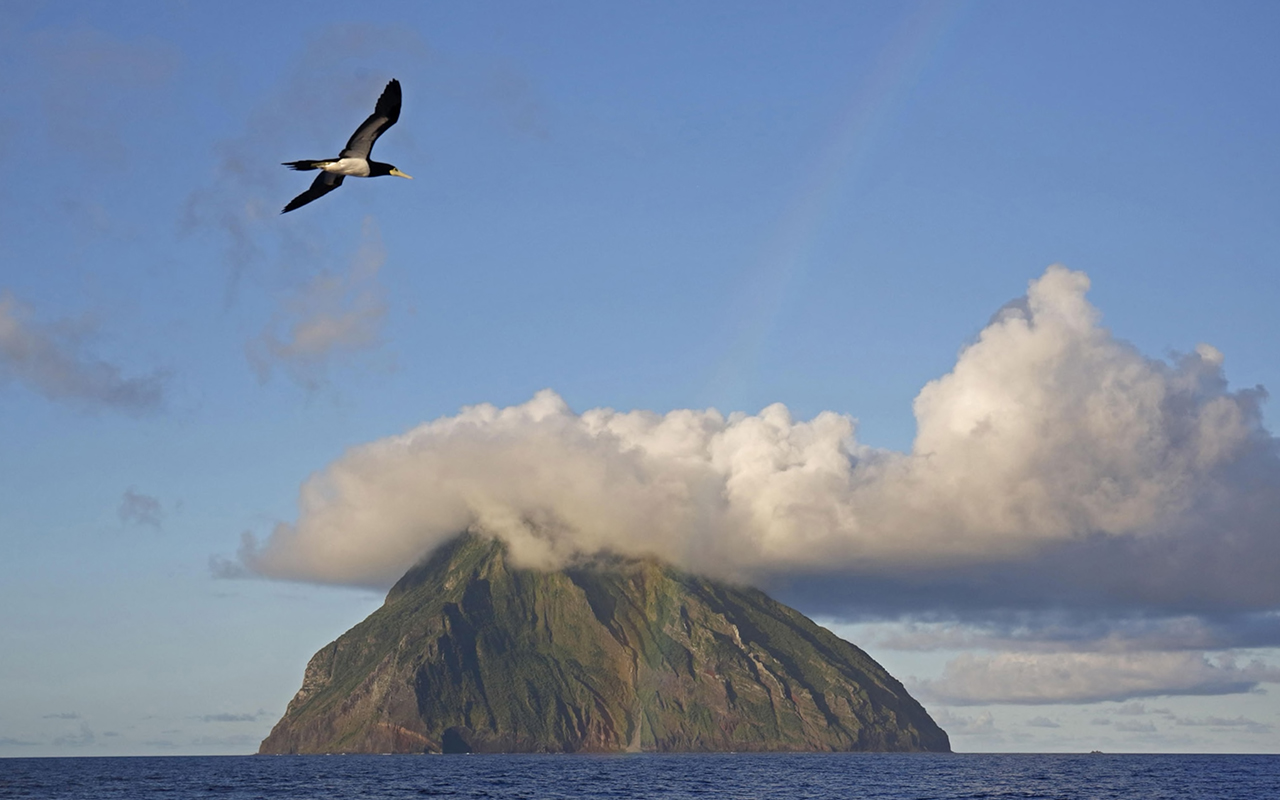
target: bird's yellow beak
400 174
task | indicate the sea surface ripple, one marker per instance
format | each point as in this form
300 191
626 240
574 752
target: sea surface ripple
876 776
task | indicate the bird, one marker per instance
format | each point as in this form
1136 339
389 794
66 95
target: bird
354 159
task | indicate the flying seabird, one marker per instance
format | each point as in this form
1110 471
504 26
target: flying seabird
354 159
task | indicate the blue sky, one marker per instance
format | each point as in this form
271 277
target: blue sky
987 467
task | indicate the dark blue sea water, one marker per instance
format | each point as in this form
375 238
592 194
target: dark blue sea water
873 775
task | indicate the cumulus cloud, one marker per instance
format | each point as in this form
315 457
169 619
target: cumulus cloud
1051 678
331 316
1105 520
52 359
1053 464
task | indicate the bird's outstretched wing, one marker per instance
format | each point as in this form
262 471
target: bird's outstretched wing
324 183
384 115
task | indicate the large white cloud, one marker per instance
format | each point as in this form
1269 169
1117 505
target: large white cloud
1051 450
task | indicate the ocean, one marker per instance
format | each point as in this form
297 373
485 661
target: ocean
792 776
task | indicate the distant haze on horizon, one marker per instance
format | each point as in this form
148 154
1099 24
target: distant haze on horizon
949 323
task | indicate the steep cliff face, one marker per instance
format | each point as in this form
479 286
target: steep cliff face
470 654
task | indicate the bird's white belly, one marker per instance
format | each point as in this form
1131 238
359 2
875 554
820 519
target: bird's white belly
355 167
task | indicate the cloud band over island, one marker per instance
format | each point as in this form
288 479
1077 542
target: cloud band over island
1053 463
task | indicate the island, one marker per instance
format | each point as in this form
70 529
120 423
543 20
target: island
470 653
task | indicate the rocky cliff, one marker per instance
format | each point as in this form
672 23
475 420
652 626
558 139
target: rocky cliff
471 654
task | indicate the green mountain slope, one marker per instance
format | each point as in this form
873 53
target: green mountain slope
470 654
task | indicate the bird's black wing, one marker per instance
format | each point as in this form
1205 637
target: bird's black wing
324 183
384 116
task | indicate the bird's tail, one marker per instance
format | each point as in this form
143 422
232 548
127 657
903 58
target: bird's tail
302 166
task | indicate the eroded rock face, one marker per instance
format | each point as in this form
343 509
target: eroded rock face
468 654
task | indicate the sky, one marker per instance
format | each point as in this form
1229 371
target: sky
951 324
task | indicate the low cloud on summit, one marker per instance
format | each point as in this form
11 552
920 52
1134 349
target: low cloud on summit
1053 465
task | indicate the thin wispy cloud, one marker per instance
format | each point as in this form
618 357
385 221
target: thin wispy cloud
54 360
1081 631
328 91
10 741
226 717
81 738
244 741
330 318
983 725
1135 727
92 83
1240 723
140 509
1138 710
1054 678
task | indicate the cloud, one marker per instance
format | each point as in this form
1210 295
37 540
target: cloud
8 741
1135 727
231 717
246 740
330 90
1053 678
83 738
1102 520
1061 629
1042 722
52 360
329 317
140 509
1139 710
1221 723
983 725
62 716
233 569
1053 466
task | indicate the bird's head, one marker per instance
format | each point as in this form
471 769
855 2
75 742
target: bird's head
378 168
